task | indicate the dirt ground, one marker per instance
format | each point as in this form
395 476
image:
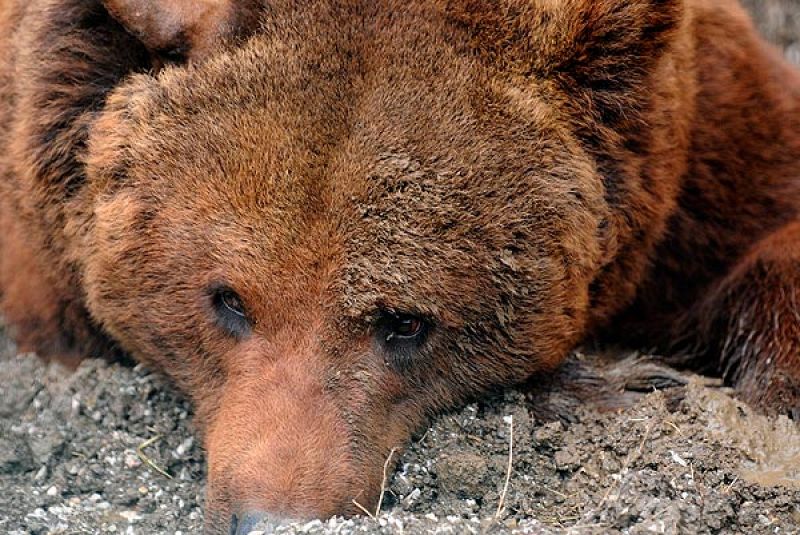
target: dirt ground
111 449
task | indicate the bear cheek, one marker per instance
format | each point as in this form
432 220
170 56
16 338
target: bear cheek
108 242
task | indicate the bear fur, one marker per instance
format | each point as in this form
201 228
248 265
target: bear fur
329 220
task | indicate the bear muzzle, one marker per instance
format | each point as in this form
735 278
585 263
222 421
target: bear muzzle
246 522
284 444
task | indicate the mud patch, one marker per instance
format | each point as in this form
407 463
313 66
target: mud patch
771 447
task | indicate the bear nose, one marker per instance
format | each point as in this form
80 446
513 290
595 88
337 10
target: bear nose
244 523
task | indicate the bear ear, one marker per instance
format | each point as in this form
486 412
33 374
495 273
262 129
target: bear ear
112 136
184 29
599 44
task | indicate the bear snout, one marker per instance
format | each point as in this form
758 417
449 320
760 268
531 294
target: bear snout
244 523
284 444
278 450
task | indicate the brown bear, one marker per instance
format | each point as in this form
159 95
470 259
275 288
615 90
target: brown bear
328 220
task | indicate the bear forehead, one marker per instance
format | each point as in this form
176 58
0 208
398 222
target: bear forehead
341 122
389 148
395 166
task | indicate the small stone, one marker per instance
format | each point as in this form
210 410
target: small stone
567 460
549 435
47 446
463 474
130 516
15 455
184 446
41 474
131 460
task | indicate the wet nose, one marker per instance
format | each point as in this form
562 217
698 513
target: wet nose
254 521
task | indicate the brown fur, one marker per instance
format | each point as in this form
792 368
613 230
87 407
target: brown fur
526 177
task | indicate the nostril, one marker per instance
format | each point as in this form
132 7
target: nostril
258 521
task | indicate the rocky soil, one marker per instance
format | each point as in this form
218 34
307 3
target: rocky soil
111 449
779 21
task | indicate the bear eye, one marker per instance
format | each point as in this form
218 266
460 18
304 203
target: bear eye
400 335
230 311
403 326
232 302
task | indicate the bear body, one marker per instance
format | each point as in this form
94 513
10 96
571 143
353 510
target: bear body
327 221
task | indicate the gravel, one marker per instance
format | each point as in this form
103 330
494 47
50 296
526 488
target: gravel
111 449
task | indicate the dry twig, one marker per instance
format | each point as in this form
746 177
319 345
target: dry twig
383 481
383 489
501 503
147 460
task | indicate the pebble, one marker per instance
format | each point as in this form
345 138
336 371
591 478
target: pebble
15 455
